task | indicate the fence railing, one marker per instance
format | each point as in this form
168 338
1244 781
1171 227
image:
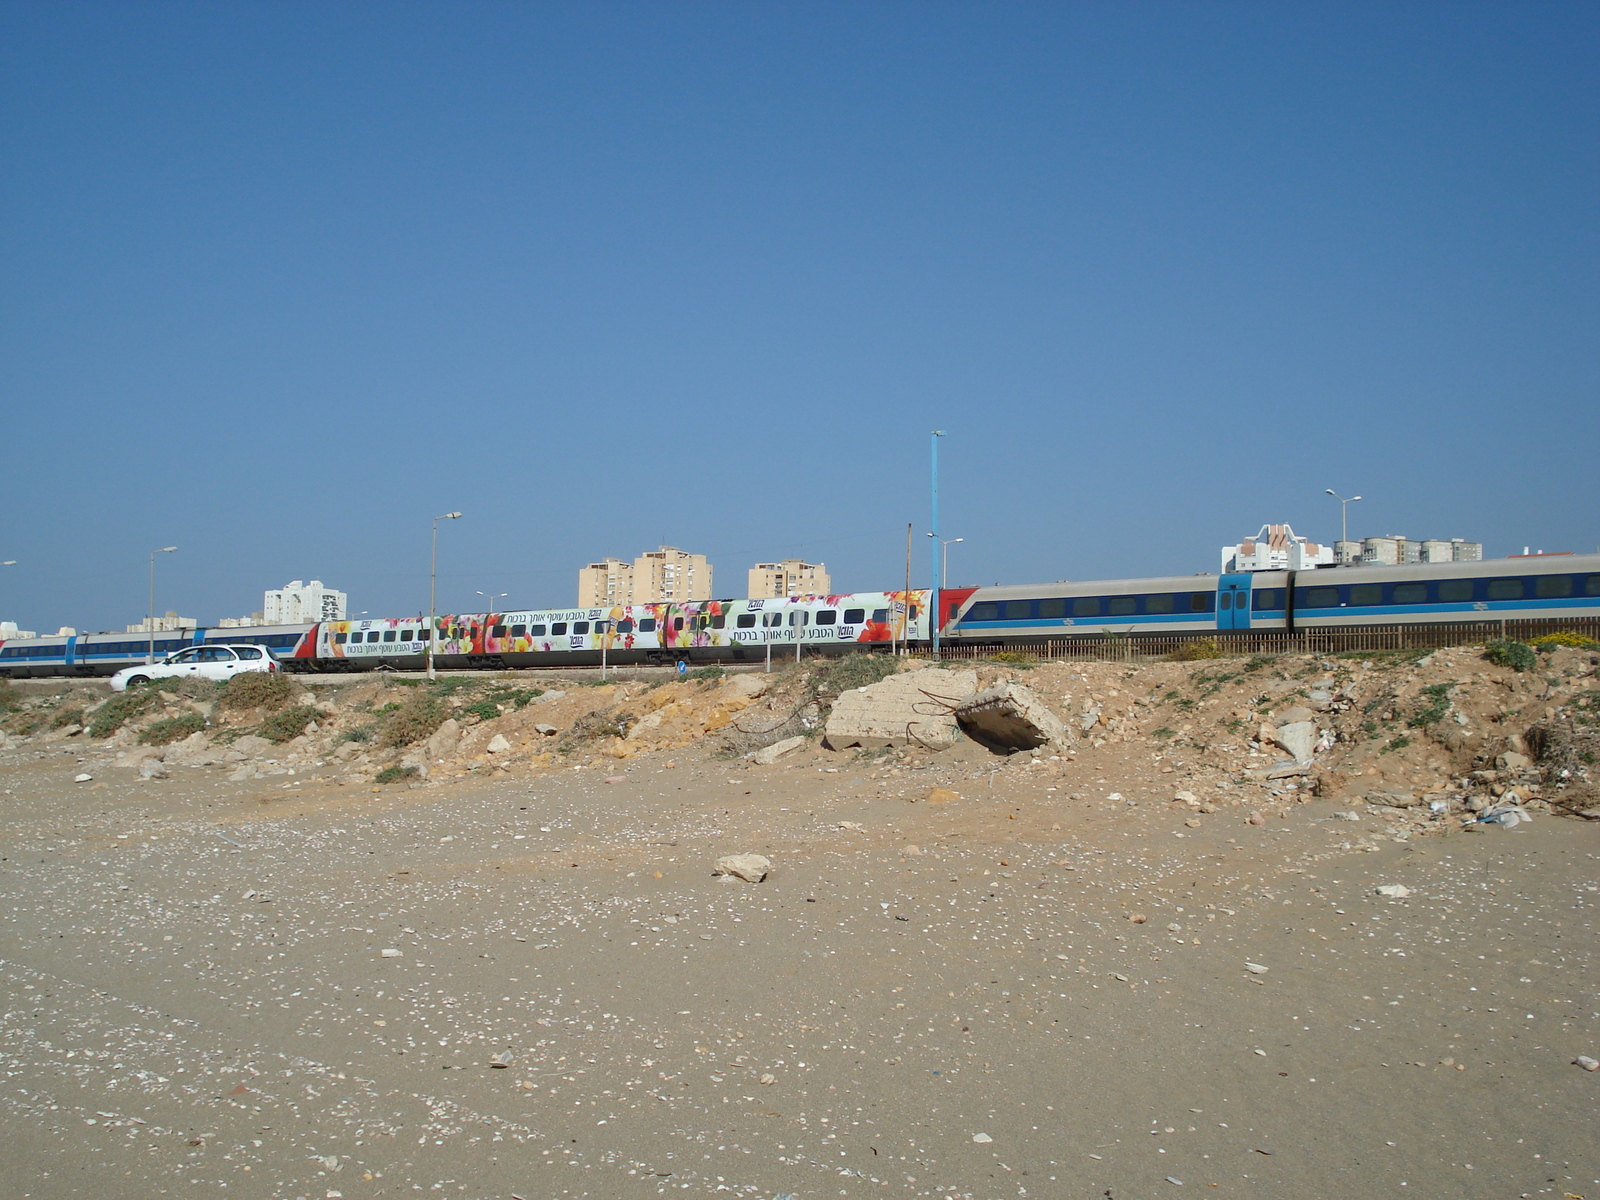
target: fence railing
1241 643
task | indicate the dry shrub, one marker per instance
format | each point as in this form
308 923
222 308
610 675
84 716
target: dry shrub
395 774
256 689
1195 651
71 715
412 721
173 729
287 723
120 709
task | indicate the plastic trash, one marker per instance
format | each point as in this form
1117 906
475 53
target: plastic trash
1506 814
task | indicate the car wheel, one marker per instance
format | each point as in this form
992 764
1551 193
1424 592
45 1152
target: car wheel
137 681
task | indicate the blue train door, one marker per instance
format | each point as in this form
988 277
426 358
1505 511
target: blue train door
1233 602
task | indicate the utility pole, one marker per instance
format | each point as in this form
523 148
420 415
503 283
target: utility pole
433 581
1344 525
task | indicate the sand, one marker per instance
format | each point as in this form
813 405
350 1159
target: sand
945 999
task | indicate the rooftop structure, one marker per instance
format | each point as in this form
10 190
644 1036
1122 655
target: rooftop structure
10 633
167 623
1276 548
298 603
1396 549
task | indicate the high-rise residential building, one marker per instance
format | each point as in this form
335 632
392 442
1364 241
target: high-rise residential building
791 577
605 583
661 576
299 603
1396 550
169 623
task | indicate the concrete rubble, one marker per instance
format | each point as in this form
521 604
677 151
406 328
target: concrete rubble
1010 717
916 708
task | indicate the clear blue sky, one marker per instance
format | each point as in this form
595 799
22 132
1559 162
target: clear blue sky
279 282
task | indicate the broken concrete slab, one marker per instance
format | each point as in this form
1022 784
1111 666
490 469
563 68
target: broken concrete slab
912 709
1299 738
1011 717
768 755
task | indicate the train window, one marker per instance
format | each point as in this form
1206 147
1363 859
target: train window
719 621
1200 602
1321 597
1158 604
855 616
625 626
424 635
881 615
388 635
983 612
1410 593
1086 606
535 630
770 619
677 624
647 624
340 639
1267 599
1224 601
405 635
1017 610
580 627
499 631
559 629
1122 606
1592 588
1366 593
746 621
1052 609
827 616
1455 591
1505 589
519 631
1550 586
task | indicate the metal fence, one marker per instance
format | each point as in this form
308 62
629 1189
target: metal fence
1236 644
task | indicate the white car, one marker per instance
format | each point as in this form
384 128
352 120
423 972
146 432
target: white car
218 662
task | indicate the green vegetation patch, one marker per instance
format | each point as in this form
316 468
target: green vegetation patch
1503 652
395 774
418 718
1195 651
119 710
72 714
172 729
288 723
1434 704
256 689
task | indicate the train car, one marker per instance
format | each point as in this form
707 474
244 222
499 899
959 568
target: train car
1129 607
107 653
701 631
1555 587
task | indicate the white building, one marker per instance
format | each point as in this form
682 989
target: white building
1276 548
168 623
1395 549
10 633
249 622
300 603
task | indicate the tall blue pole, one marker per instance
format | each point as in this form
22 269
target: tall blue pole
933 614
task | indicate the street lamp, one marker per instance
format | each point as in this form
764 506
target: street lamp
433 580
1344 527
944 559
933 480
150 651
491 597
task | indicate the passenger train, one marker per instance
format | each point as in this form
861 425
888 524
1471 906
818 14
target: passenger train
1552 588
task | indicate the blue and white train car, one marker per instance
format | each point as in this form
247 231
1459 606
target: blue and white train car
107 653
1549 587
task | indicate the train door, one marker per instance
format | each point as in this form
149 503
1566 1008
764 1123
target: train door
1233 602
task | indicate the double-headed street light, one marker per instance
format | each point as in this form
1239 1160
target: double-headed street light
1344 526
944 560
491 597
150 651
433 580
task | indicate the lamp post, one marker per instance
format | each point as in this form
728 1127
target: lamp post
1344 527
933 616
491 597
433 582
150 624
944 560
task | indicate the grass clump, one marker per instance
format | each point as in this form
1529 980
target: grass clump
395 774
850 671
1195 651
1014 658
484 710
1503 652
1399 743
288 723
412 721
71 715
256 689
119 710
172 729
361 733
706 673
1435 704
